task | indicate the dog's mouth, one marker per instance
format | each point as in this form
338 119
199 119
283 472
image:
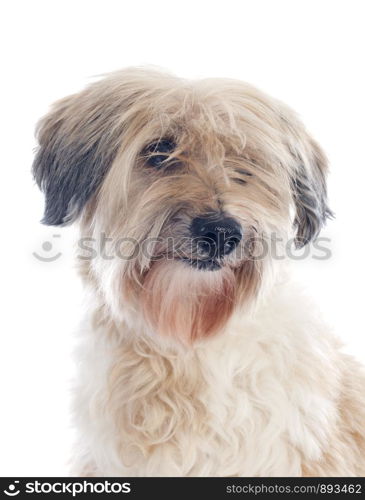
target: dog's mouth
203 264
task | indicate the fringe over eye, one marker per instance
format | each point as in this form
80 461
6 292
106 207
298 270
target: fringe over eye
158 152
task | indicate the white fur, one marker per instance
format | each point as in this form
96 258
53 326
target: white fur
183 371
266 411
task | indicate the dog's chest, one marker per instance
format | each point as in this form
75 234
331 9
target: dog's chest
252 418
236 408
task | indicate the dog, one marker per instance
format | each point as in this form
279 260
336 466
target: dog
199 355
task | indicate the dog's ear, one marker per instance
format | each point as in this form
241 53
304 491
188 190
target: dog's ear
78 141
310 193
308 182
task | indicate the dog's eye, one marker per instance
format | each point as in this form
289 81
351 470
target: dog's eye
243 173
158 152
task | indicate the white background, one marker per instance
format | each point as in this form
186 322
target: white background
308 53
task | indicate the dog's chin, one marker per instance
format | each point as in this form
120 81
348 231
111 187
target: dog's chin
203 264
186 301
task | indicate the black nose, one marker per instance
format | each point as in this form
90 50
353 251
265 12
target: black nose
215 235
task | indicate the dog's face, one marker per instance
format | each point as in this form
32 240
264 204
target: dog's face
193 176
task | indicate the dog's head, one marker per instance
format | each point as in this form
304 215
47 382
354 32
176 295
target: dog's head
193 177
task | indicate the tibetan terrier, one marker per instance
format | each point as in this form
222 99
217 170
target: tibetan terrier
199 356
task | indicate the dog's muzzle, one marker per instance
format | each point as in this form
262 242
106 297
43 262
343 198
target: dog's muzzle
214 236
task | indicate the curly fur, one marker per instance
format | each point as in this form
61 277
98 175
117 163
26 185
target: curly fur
184 371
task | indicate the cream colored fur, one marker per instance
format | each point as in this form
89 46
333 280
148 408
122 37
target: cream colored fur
272 395
192 372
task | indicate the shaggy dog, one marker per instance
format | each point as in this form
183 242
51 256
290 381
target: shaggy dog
199 356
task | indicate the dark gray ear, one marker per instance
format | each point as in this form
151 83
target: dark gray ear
78 141
310 193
